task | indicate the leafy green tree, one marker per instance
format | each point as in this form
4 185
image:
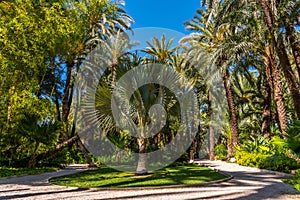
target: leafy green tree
42 47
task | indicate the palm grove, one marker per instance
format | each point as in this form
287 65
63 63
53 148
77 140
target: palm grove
254 44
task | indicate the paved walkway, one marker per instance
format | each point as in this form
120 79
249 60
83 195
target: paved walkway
248 183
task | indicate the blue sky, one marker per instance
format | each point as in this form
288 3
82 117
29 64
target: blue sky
170 14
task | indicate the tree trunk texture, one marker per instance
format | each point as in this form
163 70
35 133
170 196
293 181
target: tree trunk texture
282 55
211 143
211 130
114 73
266 116
142 159
294 43
67 98
232 111
274 80
57 108
85 154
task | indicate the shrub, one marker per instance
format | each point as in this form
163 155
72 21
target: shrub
220 151
251 159
281 162
260 153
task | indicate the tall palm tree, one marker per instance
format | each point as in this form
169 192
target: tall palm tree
271 18
293 41
210 39
246 12
100 20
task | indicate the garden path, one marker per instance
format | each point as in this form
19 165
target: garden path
247 183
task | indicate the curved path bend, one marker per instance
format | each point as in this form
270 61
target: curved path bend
247 183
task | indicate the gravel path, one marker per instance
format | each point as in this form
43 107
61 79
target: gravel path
247 183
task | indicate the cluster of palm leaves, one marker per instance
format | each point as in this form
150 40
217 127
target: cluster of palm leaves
256 59
250 46
255 45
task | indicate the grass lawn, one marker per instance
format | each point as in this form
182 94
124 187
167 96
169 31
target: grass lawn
108 177
8 172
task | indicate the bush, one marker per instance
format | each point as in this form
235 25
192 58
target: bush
251 159
261 153
276 162
220 151
281 162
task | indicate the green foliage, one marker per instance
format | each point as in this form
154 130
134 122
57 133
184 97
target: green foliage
37 39
264 154
69 155
266 161
32 129
293 137
220 151
256 145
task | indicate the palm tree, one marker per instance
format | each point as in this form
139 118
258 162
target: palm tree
136 114
210 39
97 21
260 46
293 41
275 84
100 20
159 50
271 18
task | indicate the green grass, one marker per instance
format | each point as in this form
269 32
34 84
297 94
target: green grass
108 177
8 172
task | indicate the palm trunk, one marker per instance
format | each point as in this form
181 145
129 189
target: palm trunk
48 153
266 116
290 79
274 79
211 143
142 159
211 130
114 73
66 107
282 55
57 107
85 154
294 43
232 112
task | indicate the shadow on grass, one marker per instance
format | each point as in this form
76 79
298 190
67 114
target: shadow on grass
111 178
